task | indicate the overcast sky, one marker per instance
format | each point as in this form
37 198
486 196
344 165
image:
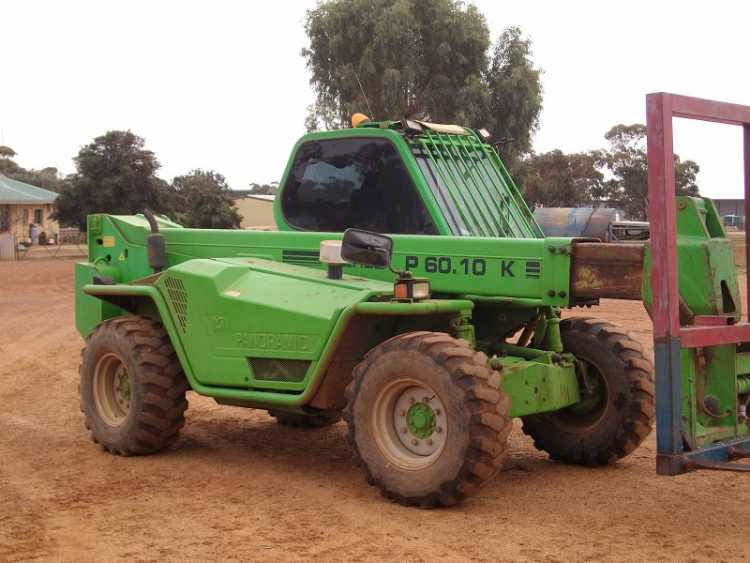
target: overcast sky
221 84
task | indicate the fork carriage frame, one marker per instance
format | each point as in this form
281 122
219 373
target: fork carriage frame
669 336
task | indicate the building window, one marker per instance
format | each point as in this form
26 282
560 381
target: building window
38 216
4 218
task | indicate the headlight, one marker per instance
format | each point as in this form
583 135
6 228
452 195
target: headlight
411 288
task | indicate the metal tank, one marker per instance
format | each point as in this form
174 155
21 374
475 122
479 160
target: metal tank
603 223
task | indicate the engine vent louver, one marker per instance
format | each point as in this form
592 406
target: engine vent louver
179 300
301 257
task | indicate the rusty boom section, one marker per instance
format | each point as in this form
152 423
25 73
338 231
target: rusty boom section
606 270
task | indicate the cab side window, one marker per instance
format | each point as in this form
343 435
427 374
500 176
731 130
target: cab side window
361 183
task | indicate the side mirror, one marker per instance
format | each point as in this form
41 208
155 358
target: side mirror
364 247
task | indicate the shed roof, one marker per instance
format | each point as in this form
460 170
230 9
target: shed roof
264 197
15 192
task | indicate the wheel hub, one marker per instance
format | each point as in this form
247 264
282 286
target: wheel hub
593 390
111 389
122 388
420 420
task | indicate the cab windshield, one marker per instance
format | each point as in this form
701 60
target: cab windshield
362 183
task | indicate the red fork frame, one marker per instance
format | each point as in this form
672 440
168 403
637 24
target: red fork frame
669 337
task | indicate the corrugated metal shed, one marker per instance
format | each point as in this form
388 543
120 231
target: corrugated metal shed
256 211
13 192
264 197
576 221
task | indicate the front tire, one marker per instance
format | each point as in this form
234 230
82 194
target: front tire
617 408
426 419
132 387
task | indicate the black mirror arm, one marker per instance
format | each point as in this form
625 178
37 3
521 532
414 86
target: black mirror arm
399 273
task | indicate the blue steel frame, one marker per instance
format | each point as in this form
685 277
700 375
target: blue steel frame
669 336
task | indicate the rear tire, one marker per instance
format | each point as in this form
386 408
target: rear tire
295 420
427 419
616 414
132 388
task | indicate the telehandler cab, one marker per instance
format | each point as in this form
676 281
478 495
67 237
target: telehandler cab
428 341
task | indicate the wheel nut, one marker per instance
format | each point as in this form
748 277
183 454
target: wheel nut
404 430
403 413
425 399
412 400
439 429
415 442
429 442
437 412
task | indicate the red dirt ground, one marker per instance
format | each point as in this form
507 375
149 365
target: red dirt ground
238 487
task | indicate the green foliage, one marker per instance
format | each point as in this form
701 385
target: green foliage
410 57
626 162
426 59
7 164
7 152
47 178
203 200
515 95
556 179
115 174
616 176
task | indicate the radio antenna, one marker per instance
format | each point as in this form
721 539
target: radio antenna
369 109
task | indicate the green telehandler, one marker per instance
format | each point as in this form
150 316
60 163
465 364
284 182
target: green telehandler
428 341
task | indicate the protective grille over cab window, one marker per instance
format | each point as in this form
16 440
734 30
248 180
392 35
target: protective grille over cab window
472 187
362 183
